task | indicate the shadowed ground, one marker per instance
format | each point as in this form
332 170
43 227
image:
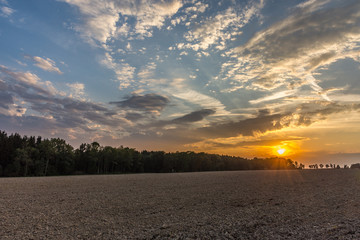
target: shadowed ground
317 204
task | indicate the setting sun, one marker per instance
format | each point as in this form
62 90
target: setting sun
281 151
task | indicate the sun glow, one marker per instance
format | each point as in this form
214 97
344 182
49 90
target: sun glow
281 151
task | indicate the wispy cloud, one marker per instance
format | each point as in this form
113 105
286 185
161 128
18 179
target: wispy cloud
200 99
123 71
275 96
45 64
288 52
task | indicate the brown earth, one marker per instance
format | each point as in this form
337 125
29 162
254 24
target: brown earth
298 204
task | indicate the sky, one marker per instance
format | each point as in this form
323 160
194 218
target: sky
238 77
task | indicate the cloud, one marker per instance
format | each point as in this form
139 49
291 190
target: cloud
123 71
27 77
247 128
211 31
6 99
180 91
147 71
184 99
312 5
246 142
321 31
194 116
154 14
77 89
148 102
275 96
197 7
47 111
287 53
219 29
189 13
290 54
133 116
21 63
46 64
6 11
104 19
345 98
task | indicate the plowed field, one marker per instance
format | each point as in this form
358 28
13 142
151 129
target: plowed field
304 204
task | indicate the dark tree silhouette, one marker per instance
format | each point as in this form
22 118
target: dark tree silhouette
355 165
30 156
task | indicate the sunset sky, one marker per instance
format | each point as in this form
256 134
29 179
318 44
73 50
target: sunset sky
241 77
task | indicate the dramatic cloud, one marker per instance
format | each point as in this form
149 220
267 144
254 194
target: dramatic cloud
148 102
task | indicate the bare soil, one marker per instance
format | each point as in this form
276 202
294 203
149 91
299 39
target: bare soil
298 204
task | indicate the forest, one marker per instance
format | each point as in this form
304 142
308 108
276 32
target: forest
35 156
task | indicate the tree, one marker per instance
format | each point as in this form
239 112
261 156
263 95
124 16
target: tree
355 165
23 161
30 156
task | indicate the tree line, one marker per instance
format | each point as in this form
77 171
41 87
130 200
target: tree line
35 156
333 166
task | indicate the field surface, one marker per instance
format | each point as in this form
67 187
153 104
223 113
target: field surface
307 204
